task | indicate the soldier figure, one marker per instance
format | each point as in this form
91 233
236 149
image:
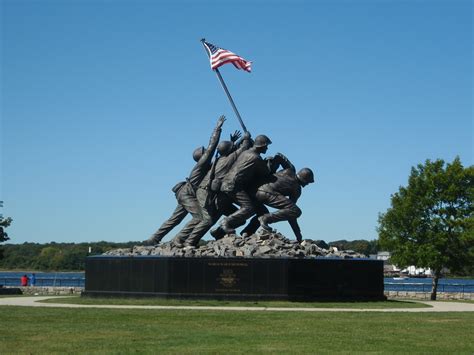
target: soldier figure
185 191
187 194
248 168
282 193
213 203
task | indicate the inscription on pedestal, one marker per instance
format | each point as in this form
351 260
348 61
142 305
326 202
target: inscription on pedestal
230 275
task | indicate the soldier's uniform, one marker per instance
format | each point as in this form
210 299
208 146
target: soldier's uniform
248 168
281 192
212 202
176 218
186 195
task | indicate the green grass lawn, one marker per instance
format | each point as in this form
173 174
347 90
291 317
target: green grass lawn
176 302
55 330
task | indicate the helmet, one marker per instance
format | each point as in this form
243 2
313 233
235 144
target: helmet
306 175
262 141
224 147
198 152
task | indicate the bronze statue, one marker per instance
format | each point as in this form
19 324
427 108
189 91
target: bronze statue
238 175
248 168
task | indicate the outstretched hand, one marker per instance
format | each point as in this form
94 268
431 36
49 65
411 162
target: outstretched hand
220 121
235 136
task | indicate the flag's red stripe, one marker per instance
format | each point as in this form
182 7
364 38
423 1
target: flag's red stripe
225 56
241 63
238 64
227 60
217 65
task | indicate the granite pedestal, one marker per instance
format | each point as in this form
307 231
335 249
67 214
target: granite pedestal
302 279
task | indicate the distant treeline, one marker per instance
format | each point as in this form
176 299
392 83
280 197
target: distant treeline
70 256
53 256
366 247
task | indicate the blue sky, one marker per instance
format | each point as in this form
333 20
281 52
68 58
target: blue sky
103 102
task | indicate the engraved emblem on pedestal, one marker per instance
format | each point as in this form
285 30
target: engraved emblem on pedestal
227 278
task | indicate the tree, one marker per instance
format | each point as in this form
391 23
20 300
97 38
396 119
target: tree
4 223
50 258
430 222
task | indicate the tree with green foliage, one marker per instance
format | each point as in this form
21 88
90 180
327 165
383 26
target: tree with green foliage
50 258
4 223
54 256
430 222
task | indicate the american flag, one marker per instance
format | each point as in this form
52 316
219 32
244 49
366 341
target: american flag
220 56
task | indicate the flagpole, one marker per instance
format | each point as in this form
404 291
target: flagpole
224 86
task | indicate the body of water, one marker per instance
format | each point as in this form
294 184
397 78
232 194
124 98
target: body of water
66 279
424 285
77 279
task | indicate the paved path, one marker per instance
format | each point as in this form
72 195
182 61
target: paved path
435 306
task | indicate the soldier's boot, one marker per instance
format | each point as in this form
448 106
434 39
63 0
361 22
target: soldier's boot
264 223
191 242
153 240
251 227
177 242
226 228
217 233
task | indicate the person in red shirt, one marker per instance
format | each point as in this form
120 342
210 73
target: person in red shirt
24 280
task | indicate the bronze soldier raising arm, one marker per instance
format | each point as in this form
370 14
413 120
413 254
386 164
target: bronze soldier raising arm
187 194
184 191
